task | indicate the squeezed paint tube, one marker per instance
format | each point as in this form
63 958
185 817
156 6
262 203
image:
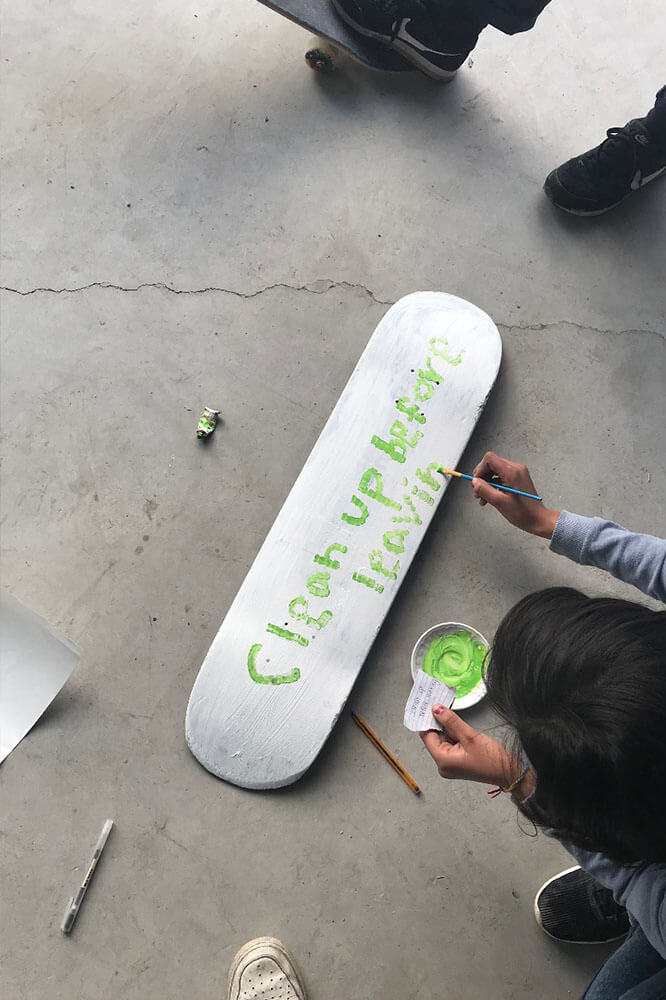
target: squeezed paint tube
207 422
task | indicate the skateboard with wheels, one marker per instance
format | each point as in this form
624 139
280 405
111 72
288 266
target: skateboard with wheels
333 37
293 642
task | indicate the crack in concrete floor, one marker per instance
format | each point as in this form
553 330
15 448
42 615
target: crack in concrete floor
316 287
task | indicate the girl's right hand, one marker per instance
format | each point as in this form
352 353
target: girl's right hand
528 515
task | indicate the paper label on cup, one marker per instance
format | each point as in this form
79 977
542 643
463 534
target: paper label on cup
426 692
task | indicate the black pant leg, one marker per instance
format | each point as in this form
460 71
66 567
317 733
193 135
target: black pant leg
462 21
656 119
509 16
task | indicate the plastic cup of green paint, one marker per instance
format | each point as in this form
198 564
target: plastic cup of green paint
444 629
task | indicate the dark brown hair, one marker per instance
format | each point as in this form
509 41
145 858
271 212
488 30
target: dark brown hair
582 683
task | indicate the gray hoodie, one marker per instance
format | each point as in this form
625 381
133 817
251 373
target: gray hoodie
641 561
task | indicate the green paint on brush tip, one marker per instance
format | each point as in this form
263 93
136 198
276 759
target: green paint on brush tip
455 659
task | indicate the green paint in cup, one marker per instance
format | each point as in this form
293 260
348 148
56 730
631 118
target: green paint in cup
455 659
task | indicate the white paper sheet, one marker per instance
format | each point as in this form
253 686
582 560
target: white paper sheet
425 693
35 662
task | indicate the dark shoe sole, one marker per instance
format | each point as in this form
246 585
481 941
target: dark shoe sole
549 188
406 51
552 198
537 912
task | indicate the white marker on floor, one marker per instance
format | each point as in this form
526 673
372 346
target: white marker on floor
74 904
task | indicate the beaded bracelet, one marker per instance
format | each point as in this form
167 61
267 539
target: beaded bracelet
494 792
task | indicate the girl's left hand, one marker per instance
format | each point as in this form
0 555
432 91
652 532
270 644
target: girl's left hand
463 752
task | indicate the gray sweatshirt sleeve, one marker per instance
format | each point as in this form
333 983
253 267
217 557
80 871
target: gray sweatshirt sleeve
633 558
641 889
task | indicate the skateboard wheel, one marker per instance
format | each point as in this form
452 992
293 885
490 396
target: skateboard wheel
321 56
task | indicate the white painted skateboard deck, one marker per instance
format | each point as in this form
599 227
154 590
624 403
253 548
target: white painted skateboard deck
281 667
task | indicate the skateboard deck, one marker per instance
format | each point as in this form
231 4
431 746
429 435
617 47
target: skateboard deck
292 644
319 17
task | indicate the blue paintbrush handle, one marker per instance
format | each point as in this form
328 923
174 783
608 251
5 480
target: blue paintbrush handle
507 489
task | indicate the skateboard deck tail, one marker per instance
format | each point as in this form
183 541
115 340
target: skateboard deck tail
319 17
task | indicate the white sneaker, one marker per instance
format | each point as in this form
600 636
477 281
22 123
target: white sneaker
263 969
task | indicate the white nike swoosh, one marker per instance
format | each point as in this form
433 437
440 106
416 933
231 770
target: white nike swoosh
639 180
406 37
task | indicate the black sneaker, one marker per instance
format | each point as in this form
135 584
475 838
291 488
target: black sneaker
603 177
573 907
426 33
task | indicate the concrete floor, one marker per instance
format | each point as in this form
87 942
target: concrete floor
190 217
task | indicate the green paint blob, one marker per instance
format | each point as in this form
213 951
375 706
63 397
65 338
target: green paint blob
455 659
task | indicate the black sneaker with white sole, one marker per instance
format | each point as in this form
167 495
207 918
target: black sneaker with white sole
601 178
574 908
432 37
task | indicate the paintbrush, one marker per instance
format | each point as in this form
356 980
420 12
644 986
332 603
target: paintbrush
498 486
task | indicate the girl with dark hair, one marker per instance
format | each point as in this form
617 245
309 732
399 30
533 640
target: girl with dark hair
581 682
